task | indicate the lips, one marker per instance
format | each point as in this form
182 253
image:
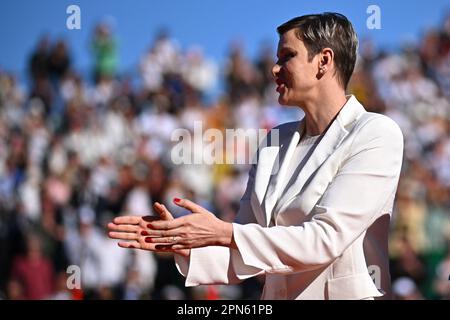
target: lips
280 85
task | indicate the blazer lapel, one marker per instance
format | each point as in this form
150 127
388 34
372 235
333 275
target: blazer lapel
273 192
268 169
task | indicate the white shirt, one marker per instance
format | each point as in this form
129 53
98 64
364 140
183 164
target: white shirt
302 152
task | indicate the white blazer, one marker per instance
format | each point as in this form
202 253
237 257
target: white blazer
326 235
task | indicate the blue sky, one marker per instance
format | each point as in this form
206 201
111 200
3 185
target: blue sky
209 23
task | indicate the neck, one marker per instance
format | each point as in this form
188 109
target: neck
321 111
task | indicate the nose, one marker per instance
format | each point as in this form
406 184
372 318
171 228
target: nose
275 70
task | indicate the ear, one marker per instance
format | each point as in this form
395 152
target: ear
326 60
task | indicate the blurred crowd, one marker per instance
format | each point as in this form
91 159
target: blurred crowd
77 151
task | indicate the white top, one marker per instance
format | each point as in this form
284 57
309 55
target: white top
302 152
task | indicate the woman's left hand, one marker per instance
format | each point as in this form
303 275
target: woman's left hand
199 229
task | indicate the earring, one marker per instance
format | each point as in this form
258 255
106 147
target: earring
322 69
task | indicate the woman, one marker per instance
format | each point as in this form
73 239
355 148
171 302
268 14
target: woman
316 228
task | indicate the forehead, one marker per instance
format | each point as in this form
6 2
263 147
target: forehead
290 41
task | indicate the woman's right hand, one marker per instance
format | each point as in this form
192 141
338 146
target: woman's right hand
133 230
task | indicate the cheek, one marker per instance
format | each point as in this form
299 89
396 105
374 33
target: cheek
302 77
293 80
288 76
293 74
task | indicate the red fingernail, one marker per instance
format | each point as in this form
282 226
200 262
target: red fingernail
148 239
149 226
144 233
176 200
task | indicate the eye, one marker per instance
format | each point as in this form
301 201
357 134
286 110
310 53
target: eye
286 57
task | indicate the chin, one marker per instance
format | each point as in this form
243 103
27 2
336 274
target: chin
282 100
285 102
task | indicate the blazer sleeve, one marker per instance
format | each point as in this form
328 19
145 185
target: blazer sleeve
354 199
215 264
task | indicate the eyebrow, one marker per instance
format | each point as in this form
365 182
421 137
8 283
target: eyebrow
284 49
